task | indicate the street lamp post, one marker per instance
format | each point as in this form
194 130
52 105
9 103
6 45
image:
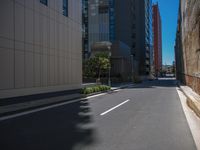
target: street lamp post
109 54
132 74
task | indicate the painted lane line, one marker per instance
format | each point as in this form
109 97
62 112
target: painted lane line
89 97
93 96
117 90
104 113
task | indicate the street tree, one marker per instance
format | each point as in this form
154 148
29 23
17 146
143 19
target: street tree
97 65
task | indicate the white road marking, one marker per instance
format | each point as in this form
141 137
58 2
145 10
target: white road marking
104 113
117 90
89 97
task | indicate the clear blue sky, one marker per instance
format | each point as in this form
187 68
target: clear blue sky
169 13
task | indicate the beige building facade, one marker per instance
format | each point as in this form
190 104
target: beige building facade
40 46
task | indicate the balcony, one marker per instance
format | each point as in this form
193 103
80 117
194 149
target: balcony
147 62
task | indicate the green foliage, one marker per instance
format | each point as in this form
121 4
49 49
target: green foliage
89 68
103 55
96 65
95 89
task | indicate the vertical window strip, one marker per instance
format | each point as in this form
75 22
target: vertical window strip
45 2
65 8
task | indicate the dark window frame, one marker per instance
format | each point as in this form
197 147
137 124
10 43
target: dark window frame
45 2
65 8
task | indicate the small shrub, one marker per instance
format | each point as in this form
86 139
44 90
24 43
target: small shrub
94 89
90 90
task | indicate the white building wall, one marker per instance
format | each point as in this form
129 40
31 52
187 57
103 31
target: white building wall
40 48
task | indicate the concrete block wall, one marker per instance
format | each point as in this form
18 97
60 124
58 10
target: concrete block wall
190 13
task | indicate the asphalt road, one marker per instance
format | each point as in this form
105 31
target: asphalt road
148 116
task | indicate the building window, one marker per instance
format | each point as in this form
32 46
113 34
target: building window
133 35
133 26
65 8
103 9
133 45
44 2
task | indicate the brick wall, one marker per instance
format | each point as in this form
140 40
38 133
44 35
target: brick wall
193 82
189 45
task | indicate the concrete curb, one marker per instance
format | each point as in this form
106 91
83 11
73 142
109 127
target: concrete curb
192 119
24 106
111 90
193 99
195 106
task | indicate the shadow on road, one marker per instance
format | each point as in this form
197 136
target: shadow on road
60 128
157 83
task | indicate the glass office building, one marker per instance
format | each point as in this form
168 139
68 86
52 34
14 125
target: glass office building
98 23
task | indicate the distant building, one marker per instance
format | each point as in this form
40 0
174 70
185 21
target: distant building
128 22
40 48
168 69
124 32
101 28
99 22
85 28
121 59
157 34
140 28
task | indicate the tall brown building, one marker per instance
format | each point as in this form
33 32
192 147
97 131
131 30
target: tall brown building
157 32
